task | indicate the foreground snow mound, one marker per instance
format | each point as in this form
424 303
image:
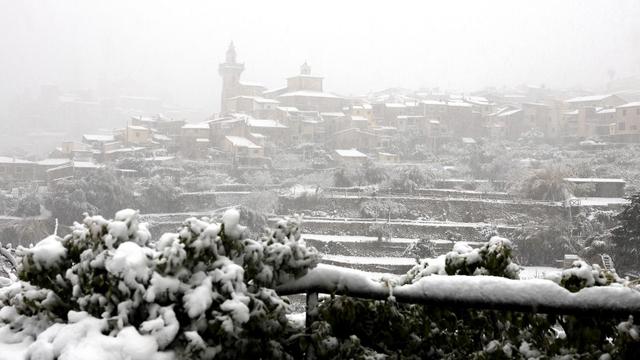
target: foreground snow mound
82 338
108 291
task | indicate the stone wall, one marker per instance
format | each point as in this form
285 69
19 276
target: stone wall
442 209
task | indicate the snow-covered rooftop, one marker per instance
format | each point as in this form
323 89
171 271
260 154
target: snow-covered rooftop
459 104
478 100
261 100
161 137
288 108
350 153
358 118
265 123
242 142
332 114
308 93
202 125
251 83
53 162
433 102
11 160
98 137
509 112
136 127
258 99
588 98
631 104
86 165
125 150
362 106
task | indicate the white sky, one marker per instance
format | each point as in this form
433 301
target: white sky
172 48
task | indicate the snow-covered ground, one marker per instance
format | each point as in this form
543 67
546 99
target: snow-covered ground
364 239
369 260
430 223
354 238
599 201
14 351
538 272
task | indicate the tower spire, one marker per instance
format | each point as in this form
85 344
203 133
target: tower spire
305 69
231 54
230 71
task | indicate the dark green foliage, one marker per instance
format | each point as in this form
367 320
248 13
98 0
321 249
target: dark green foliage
625 237
407 331
102 192
383 209
408 179
547 184
373 174
490 162
142 167
341 179
263 202
27 206
160 195
543 245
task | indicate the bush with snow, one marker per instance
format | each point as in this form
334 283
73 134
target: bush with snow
107 290
412 331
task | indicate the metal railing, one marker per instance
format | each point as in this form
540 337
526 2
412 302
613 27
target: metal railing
469 292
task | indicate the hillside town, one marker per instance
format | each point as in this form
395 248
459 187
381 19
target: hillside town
299 221
255 123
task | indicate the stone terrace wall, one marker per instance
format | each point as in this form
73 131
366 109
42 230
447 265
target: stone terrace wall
443 209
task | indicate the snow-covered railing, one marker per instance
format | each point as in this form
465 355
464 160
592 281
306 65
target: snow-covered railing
477 292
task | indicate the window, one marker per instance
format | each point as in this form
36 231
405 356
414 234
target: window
621 126
624 112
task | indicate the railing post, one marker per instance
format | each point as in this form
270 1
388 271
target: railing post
312 309
312 315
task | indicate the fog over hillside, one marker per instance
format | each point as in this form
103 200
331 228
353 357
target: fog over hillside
168 50
319 179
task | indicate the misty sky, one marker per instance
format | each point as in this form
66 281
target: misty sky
172 49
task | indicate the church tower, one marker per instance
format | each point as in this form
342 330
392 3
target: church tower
305 69
230 71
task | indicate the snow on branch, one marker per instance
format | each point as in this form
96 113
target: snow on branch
481 292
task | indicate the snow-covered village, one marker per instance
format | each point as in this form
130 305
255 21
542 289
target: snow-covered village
319 180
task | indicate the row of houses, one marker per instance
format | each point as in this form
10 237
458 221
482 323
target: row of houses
607 116
14 170
311 115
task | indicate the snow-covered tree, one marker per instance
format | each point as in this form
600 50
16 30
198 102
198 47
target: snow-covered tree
108 290
625 237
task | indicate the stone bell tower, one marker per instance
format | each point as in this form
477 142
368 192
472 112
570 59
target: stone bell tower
230 71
